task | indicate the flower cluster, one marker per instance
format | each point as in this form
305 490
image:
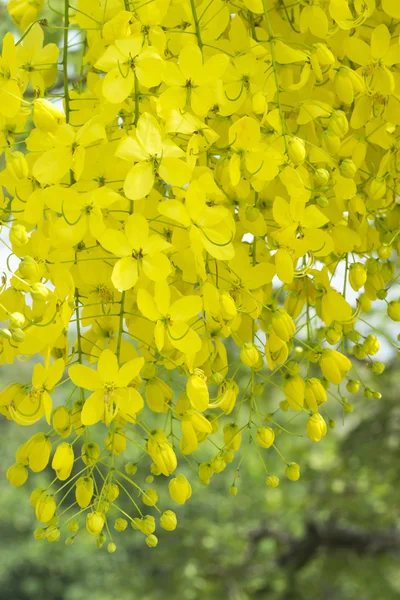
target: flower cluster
215 175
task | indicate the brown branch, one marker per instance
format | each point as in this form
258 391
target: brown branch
328 536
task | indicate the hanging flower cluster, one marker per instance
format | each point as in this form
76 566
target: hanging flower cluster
215 174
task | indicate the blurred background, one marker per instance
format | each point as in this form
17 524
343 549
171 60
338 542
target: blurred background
332 535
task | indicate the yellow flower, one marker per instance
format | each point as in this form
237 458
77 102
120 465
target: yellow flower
153 157
109 385
138 250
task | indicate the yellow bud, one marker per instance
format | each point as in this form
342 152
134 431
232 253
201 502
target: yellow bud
150 497
16 319
61 419
376 188
218 464
283 325
294 389
39 292
316 428
84 491
35 495
249 355
180 489
321 177
228 307
168 520
17 474
272 481
197 391
45 508
338 123
63 460
90 453
111 492
39 452
53 534
265 436
17 165
232 436
292 471
29 269
357 276
315 394
111 548
393 310
296 150
347 168
151 540
334 365
18 235
205 473
46 116
120 524
94 522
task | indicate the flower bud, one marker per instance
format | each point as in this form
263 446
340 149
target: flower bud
61 419
17 165
46 116
29 269
334 365
265 436
39 292
228 307
120 524
296 150
45 508
292 471
111 492
130 468
249 355
18 235
338 123
294 389
316 428
90 453
63 460
197 391
252 213
53 534
84 491
17 475
150 497
16 319
94 522
168 520
272 481
315 394
353 386
347 168
205 473
357 276
376 188
393 310
151 540
111 548
321 177
218 464
283 324
180 489
232 436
